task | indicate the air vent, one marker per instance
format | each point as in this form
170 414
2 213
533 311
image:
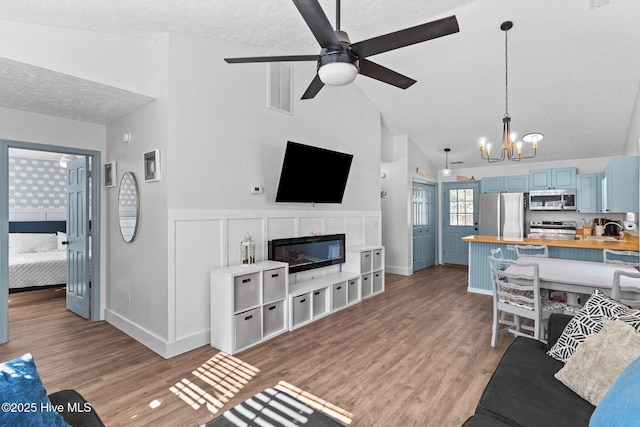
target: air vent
280 84
459 162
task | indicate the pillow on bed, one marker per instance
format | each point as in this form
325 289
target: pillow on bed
61 237
32 242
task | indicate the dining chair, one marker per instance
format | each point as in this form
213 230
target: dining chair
518 294
630 258
496 253
627 295
532 250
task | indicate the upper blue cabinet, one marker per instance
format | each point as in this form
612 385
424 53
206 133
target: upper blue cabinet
505 184
558 178
516 184
589 192
492 184
620 185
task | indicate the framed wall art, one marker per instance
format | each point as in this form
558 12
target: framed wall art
152 166
110 174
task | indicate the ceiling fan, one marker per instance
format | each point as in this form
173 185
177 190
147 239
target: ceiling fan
340 60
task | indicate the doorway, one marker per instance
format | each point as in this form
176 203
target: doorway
424 214
460 219
93 158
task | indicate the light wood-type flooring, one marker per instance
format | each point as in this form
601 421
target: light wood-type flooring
417 355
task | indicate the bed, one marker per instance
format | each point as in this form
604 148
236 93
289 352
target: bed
37 257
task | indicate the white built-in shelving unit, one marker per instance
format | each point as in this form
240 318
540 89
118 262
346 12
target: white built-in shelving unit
248 304
251 304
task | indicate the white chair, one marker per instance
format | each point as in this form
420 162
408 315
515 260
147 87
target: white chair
532 250
627 295
516 291
630 258
496 253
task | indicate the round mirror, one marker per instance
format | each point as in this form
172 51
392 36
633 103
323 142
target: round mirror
128 206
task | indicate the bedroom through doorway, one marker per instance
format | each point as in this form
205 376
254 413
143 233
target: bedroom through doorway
37 225
34 228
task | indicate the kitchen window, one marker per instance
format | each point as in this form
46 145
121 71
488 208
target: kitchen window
461 207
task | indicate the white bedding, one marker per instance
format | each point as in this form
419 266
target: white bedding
37 269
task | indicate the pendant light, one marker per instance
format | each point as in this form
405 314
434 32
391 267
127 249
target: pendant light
446 171
510 148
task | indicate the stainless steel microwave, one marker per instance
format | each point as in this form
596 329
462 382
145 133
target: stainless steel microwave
552 200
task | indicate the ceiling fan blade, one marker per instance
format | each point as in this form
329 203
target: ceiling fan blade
314 88
406 37
318 23
378 72
283 58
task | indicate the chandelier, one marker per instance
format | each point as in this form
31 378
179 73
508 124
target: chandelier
510 148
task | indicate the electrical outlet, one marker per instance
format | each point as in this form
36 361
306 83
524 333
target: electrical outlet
127 295
511 247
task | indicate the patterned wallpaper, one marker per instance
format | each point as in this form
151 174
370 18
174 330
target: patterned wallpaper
36 184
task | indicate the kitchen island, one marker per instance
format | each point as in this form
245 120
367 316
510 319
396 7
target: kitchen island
580 249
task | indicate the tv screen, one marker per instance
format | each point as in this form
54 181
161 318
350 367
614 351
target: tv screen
313 175
306 253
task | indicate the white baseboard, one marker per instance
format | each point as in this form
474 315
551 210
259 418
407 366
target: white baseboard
155 343
403 271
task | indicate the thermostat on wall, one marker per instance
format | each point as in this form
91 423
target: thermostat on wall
257 189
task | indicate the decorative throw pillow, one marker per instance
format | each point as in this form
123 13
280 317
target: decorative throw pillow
620 406
32 242
24 399
600 359
589 321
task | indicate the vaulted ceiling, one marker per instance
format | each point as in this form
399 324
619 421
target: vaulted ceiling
574 66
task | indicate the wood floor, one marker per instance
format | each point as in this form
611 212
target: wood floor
417 355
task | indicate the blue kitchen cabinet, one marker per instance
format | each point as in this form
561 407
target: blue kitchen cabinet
516 184
620 184
505 184
564 178
492 184
589 192
558 178
540 179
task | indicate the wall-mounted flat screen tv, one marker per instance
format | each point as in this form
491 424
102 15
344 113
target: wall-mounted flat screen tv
313 175
305 253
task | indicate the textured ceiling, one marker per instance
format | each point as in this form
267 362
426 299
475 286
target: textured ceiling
573 70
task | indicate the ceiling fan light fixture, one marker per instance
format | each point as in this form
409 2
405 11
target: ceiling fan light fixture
337 73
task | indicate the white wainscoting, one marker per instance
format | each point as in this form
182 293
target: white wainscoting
202 240
38 214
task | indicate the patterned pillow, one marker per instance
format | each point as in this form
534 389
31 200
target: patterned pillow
24 398
600 359
589 321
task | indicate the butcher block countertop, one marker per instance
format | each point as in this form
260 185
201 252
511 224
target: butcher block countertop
628 243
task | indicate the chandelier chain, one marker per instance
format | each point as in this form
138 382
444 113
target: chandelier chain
506 76
510 149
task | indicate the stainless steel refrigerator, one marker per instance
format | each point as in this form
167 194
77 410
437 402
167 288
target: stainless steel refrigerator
502 215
